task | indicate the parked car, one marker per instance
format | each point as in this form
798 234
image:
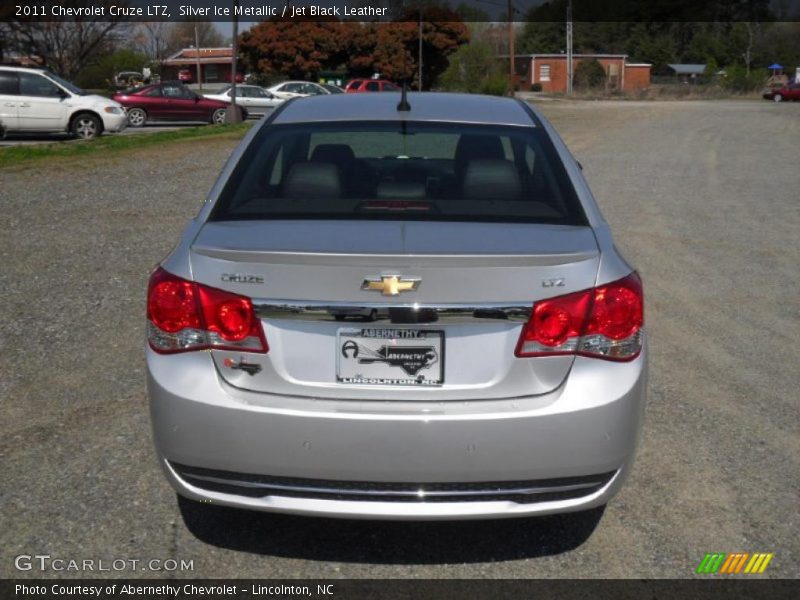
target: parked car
370 85
789 91
297 89
255 99
239 78
333 89
38 101
185 76
126 79
504 373
170 101
364 313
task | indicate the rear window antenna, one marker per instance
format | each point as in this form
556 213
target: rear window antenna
403 105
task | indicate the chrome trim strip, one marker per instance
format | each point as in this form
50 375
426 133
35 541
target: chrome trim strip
418 493
391 261
405 313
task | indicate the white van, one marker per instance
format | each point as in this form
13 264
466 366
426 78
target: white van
35 100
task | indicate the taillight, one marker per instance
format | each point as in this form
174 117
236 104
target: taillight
183 316
604 322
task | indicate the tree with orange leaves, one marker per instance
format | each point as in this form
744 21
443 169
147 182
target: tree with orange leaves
295 49
301 49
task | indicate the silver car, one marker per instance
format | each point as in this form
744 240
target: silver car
501 371
301 89
255 99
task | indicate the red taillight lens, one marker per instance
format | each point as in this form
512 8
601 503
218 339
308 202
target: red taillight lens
604 322
557 320
171 303
618 310
185 316
228 315
235 320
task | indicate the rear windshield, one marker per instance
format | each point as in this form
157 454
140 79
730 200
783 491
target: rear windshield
400 171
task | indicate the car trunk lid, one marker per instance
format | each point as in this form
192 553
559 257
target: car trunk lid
469 287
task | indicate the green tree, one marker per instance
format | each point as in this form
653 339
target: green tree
589 74
101 73
738 79
712 68
707 43
542 37
647 44
779 43
474 68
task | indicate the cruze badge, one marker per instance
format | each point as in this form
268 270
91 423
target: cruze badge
241 278
390 285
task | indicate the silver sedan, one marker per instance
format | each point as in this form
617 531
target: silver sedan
301 89
501 371
255 99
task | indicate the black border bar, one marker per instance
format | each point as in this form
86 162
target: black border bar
642 11
705 588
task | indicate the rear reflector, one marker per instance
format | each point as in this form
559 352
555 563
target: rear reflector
183 316
604 322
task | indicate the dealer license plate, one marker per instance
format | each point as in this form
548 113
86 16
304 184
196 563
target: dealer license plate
390 357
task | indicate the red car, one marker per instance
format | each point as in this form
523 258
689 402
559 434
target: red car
171 101
357 86
790 91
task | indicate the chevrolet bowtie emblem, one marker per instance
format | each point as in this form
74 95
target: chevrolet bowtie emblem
390 285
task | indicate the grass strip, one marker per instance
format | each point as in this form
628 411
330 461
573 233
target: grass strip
13 155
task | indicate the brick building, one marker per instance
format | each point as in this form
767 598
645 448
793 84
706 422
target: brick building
550 71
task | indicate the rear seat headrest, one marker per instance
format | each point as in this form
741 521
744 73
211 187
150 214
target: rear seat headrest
474 147
491 179
312 180
339 154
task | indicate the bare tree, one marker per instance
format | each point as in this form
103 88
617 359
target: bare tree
65 47
181 35
151 38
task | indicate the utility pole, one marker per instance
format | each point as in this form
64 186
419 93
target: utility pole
197 57
233 114
569 48
511 69
419 58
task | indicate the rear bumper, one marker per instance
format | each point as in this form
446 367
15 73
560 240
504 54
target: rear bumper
587 429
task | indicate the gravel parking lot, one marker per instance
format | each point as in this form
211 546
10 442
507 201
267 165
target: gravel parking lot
702 197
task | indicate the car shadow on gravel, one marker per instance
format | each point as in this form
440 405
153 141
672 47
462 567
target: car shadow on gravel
387 542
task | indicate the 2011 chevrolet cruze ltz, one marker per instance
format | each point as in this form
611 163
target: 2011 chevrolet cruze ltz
400 307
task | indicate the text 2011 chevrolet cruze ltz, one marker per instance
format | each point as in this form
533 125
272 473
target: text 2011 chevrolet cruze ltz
402 310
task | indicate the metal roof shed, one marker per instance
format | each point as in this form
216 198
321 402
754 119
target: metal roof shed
688 69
